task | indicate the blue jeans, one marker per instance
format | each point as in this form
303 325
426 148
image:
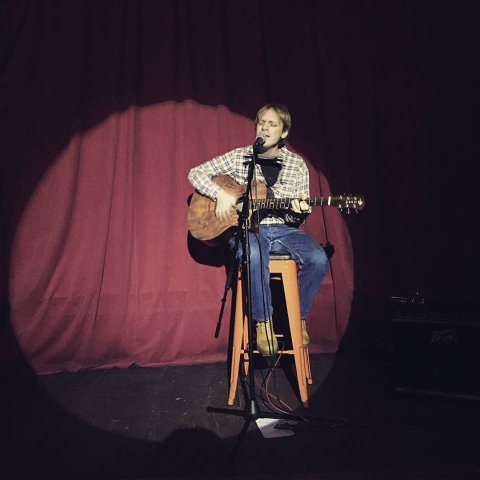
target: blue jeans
281 240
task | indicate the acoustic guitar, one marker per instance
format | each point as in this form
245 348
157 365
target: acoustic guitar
204 225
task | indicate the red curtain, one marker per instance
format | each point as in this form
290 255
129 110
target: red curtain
106 107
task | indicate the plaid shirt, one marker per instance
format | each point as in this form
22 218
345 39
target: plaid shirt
292 182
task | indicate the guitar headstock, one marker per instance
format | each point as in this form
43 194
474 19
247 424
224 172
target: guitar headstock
350 203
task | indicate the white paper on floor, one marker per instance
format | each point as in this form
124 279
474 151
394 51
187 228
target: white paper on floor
276 427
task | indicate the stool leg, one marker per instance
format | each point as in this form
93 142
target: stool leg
290 287
237 344
246 359
299 357
306 363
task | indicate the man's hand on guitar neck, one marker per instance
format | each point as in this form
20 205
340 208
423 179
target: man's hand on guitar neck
300 205
224 203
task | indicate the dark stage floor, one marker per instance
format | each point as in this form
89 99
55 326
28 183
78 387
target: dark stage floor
153 423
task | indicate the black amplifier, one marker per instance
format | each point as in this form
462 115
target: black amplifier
436 348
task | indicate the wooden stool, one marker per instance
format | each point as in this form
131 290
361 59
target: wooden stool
283 268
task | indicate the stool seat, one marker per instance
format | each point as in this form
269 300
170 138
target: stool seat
280 257
285 269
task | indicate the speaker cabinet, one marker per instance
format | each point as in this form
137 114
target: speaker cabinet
436 353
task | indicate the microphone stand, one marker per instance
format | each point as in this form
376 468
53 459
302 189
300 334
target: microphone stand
252 410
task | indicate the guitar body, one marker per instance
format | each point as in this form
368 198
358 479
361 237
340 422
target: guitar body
202 222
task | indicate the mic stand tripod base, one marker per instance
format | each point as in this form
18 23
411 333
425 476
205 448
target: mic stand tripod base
251 412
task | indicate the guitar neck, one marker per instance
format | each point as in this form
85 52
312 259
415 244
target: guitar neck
279 203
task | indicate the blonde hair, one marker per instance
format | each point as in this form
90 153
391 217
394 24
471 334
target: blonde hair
280 110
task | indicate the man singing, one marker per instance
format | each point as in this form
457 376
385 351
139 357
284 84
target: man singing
286 175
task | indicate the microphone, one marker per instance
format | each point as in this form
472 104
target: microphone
259 141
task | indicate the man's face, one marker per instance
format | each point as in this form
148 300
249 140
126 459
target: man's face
271 127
